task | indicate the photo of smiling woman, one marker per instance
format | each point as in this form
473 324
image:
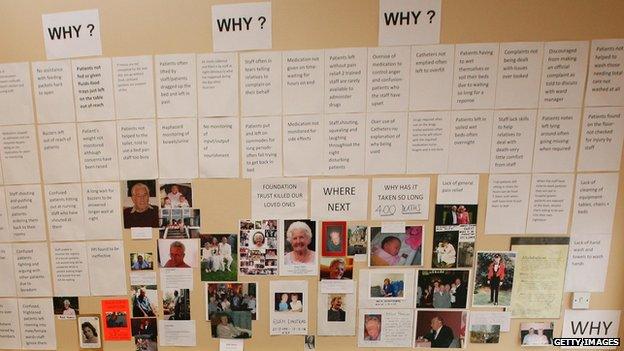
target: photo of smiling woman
89 331
299 257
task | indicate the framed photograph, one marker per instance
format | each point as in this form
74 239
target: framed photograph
90 332
334 239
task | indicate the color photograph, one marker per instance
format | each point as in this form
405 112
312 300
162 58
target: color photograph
336 268
227 297
258 247
219 257
334 239
396 249
441 329
442 288
536 333
494 279
386 285
140 204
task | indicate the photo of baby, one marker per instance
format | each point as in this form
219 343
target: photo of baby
396 249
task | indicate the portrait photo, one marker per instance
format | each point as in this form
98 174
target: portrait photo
309 343
90 331
176 304
335 308
258 247
231 325
179 223
484 333
299 242
143 300
140 204
176 194
372 327
336 268
441 329
140 261
144 328
219 257
183 253
442 288
288 301
334 239
494 276
386 285
231 297
396 249
357 239
445 245
66 307
536 333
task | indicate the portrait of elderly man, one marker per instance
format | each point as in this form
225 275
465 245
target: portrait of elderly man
300 236
177 252
141 214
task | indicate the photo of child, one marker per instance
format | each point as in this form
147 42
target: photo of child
396 249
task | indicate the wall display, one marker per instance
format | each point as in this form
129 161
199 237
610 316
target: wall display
441 329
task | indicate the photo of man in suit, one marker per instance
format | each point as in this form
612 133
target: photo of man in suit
440 336
461 294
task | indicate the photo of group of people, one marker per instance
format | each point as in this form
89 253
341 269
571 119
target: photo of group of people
385 285
219 257
226 297
442 288
288 302
494 276
176 304
176 194
454 236
396 249
66 307
358 240
140 261
258 247
441 329
181 253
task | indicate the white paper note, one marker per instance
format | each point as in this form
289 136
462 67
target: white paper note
72 34
556 140
10 338
519 74
563 74
458 189
261 83
52 83
340 199
279 198
594 203
65 211
217 85
491 318
177 333
59 153
302 137
345 80
69 269
407 22
98 151
345 148
20 160
134 87
261 146
107 273
471 135
388 78
176 90
550 204
428 142
93 89
238 27
15 96
5 231
601 139
586 252
219 147
400 199
32 269
177 148
507 205
8 287
513 135
386 139
591 324
336 322
475 76
102 211
136 144
37 324
605 81
302 81
25 212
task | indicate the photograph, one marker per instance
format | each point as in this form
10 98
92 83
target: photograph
219 257
231 325
140 204
536 333
90 331
288 301
176 304
493 279
455 214
372 327
183 253
484 334
396 249
335 311
445 249
176 194
179 223
334 239
336 268
116 319
144 328
442 288
309 343
66 307
231 297
441 329
258 247
358 240
141 344
140 261
143 300
454 235
386 285
300 242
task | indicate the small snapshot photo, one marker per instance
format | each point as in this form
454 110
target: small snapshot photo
219 257
232 297
442 288
140 261
142 344
358 240
396 249
372 327
536 333
144 300
455 214
176 194
66 307
181 253
386 285
494 276
179 223
140 204
116 319
176 304
335 310
231 325
334 239
484 334
441 329
309 343
336 268
300 242
258 247
288 301
144 328
445 245
90 331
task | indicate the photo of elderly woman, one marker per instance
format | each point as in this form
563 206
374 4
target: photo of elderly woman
89 331
299 256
